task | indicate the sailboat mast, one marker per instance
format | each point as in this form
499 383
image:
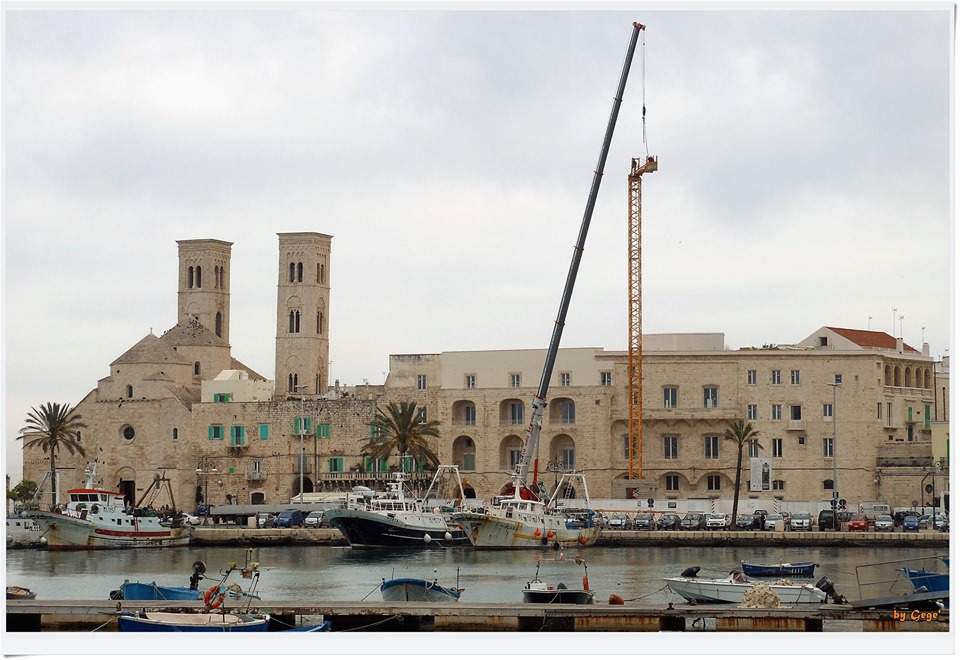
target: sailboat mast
532 442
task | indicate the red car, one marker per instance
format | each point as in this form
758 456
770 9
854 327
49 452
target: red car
858 523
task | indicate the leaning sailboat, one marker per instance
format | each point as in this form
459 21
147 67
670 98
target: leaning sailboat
520 518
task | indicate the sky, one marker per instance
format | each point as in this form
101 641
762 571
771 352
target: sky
804 175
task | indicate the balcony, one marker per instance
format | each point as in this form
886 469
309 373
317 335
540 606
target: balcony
796 425
257 476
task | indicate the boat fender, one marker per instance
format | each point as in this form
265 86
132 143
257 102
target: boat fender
213 598
615 599
581 540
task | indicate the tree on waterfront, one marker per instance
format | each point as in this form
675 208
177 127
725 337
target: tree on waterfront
742 434
53 426
401 428
22 492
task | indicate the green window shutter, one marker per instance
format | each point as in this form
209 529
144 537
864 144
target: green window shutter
230 470
323 431
367 464
374 435
383 464
296 426
210 432
926 416
264 431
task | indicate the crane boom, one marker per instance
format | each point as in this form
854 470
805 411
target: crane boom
532 440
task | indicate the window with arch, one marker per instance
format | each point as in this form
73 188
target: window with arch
323 273
293 382
129 391
299 271
319 323
199 284
176 433
218 325
294 321
828 484
196 368
293 271
190 277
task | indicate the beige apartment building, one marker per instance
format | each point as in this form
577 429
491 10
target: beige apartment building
859 402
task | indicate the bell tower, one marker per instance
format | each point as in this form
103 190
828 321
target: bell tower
203 290
303 307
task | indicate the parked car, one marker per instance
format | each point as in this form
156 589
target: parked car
644 521
926 521
771 521
858 523
313 519
883 523
759 515
289 518
265 520
717 520
826 521
693 521
940 523
669 521
620 521
911 524
190 519
744 522
801 522
203 510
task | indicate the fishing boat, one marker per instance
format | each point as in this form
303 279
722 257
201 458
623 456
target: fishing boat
538 591
209 621
398 519
796 569
20 593
152 591
522 520
24 533
418 590
143 621
733 587
95 518
925 580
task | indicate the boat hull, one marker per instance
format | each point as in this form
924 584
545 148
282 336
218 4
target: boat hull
189 622
67 533
706 590
417 590
366 529
555 596
24 533
493 530
799 569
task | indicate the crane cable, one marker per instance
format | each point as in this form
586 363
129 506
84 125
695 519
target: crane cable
643 89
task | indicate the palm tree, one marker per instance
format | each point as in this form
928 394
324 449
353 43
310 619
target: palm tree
401 428
742 434
53 426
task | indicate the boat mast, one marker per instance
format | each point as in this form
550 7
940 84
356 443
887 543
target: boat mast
532 441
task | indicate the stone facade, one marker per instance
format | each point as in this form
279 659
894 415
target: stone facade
182 405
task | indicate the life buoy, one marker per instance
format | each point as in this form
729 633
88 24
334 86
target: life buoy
213 598
94 509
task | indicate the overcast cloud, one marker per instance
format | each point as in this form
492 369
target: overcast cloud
804 177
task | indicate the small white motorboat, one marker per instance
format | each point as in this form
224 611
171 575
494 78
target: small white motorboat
731 589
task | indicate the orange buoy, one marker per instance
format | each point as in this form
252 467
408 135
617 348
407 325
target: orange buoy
615 600
537 533
550 534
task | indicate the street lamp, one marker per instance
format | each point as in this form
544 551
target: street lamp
936 467
302 389
837 382
204 469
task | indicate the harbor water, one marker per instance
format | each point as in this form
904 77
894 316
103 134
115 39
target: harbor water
339 573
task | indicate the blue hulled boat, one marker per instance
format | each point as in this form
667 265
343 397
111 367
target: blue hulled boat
419 590
796 569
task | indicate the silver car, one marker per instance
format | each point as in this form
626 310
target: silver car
883 523
801 522
313 519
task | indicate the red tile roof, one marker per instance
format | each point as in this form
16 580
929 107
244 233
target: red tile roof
872 339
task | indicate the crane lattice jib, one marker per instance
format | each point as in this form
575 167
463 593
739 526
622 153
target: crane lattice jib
531 443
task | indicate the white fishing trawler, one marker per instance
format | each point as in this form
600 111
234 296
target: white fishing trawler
95 518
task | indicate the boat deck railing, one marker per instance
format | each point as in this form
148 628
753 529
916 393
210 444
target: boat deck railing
886 578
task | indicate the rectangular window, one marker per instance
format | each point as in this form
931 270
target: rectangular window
567 456
796 412
711 446
828 447
752 411
889 414
236 436
471 381
323 431
222 398
335 464
828 411
373 465
515 381
778 484
778 447
753 449
376 433
671 447
422 413
304 423
470 415
264 431
626 446
751 376
568 412
516 413
880 411
256 467
470 462
606 378
775 377
794 376
801 440
713 482
672 482
564 379
421 381
709 397
216 431
669 397
514 457
776 412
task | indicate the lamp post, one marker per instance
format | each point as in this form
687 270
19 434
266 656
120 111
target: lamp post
837 381
203 468
302 389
